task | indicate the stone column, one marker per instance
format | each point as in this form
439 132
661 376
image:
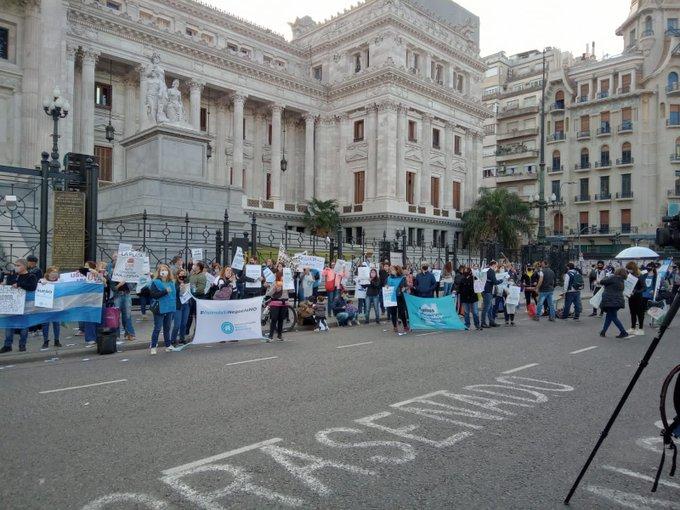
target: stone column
402 112
370 134
31 109
144 121
237 157
426 174
130 126
310 119
387 150
90 57
258 188
448 176
220 176
66 127
427 65
195 89
275 168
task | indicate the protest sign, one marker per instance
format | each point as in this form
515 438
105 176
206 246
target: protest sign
124 247
227 320
396 258
12 300
196 254
210 280
288 283
629 285
360 293
302 260
269 276
513 295
144 280
478 286
389 296
341 268
44 295
254 272
437 273
363 275
75 276
239 261
433 313
185 296
130 266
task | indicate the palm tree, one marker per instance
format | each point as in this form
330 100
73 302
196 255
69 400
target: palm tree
498 215
322 216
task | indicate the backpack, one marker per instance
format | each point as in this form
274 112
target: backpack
576 281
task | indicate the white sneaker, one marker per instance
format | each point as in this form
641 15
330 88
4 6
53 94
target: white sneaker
632 331
153 351
640 332
169 349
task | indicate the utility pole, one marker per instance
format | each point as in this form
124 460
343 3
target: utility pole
541 170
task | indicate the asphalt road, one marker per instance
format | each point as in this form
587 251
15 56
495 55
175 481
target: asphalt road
353 418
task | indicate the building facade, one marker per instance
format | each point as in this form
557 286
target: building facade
612 135
378 108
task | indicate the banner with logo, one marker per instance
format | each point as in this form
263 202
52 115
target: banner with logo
235 319
433 313
302 260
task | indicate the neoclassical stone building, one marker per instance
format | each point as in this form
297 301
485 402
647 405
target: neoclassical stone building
378 108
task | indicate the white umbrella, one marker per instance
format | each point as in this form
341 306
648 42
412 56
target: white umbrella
638 252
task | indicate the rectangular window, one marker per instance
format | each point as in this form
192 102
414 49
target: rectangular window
358 130
626 187
269 134
456 145
113 5
104 156
625 83
559 126
674 118
348 235
604 185
102 95
583 221
585 90
412 131
585 123
410 187
360 233
555 189
204 119
411 235
244 128
4 43
625 221
420 236
604 221
627 114
318 72
456 195
435 237
583 187
268 189
604 85
359 186
435 139
672 23
190 31
434 192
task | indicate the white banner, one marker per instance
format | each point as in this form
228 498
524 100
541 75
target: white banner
253 271
236 319
44 295
238 261
303 260
363 275
130 266
478 286
12 300
288 283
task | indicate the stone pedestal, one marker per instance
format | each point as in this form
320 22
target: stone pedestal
166 173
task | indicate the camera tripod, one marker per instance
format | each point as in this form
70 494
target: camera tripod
670 315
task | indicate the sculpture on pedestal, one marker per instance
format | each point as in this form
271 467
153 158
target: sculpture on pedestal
163 105
174 110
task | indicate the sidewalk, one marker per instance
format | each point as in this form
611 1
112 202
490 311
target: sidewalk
74 346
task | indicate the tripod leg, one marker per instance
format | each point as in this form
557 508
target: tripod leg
643 364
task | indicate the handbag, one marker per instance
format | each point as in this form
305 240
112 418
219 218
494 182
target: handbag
111 317
223 294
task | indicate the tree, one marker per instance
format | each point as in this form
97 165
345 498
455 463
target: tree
498 215
322 216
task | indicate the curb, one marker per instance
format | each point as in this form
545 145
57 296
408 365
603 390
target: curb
28 357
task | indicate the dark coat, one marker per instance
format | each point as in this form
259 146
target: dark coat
425 285
613 293
467 290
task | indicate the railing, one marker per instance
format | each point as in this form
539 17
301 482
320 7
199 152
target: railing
675 158
624 195
580 135
673 192
624 90
604 130
647 33
582 198
583 165
557 106
603 229
672 87
603 196
626 228
512 112
556 168
626 125
673 32
625 161
556 137
517 133
603 94
605 163
582 99
672 122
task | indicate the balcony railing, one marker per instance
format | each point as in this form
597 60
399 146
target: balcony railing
626 126
626 228
557 106
672 122
603 94
514 112
557 137
673 192
603 229
673 32
673 87
583 165
624 90
604 130
603 196
582 99
587 230
556 168
604 163
625 161
647 33
624 195
582 198
675 158
582 135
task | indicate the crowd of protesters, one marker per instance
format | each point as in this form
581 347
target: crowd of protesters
484 296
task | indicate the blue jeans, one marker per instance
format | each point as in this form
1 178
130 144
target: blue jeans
56 327
611 315
162 320
374 303
330 296
488 312
345 317
542 298
180 322
123 302
471 308
9 337
90 331
448 287
361 306
144 303
572 297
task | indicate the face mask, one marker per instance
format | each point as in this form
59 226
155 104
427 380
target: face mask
164 274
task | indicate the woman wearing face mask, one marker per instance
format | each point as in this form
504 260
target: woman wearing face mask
182 313
51 276
373 290
162 289
528 283
398 283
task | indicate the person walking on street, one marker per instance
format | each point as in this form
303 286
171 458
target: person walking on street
162 289
573 285
600 274
546 287
425 283
488 312
637 303
529 282
469 298
20 279
373 291
613 301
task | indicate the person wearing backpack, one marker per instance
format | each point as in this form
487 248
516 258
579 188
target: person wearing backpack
573 285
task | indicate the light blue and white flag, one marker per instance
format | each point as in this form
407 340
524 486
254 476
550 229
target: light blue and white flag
79 301
433 313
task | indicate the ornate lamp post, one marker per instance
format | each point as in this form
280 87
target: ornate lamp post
109 130
284 162
57 108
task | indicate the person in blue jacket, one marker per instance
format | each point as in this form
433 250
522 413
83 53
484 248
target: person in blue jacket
425 283
162 289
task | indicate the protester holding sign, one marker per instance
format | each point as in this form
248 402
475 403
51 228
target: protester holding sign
637 303
51 277
120 292
397 283
162 290
20 279
277 308
181 315
373 288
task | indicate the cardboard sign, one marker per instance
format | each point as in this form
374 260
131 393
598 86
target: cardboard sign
12 301
196 254
130 266
389 296
360 293
629 285
478 286
185 296
269 276
437 273
253 271
288 283
302 260
75 276
239 261
363 275
44 295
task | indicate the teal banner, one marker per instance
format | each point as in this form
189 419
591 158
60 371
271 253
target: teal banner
433 313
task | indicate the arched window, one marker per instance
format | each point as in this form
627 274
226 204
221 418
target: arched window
604 156
672 81
585 158
558 224
626 154
648 26
556 161
559 99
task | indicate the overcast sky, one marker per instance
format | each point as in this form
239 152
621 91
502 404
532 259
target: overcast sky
509 25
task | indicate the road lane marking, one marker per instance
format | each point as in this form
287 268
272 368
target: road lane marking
250 361
630 500
352 345
519 368
83 386
220 456
430 333
646 478
584 350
